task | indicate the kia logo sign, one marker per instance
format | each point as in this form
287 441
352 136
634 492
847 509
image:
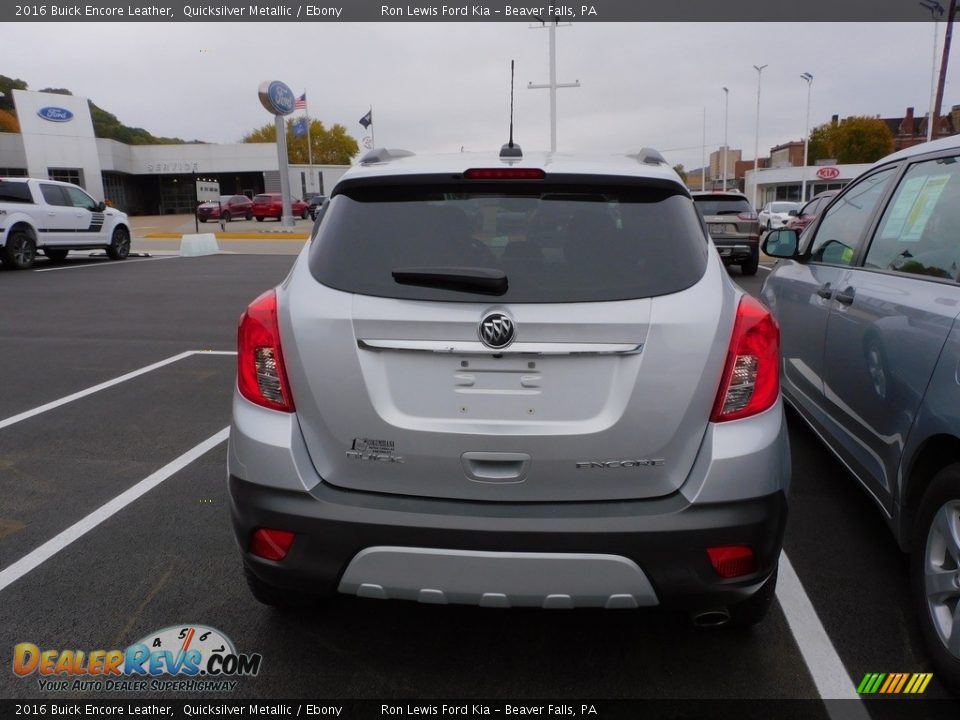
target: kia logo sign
55 114
276 97
828 173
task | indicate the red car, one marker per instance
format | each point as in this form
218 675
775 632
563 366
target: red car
231 206
808 213
270 205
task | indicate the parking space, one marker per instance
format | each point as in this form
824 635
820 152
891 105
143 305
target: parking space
164 554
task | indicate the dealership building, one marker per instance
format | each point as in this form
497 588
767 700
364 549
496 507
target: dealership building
57 141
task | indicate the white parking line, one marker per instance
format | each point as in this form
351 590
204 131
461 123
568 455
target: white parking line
59 542
827 670
764 267
26 415
106 264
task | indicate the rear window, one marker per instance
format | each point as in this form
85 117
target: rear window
722 205
263 199
15 192
561 244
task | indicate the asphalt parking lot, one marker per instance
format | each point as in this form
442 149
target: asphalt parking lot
114 409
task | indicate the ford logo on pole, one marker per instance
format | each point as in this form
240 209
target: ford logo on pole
828 173
276 97
55 114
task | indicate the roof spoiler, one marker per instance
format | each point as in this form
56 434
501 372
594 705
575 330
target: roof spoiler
382 155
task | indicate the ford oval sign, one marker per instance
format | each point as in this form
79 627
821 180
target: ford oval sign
55 114
276 97
828 173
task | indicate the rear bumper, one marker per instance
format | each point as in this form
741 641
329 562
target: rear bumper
737 250
557 554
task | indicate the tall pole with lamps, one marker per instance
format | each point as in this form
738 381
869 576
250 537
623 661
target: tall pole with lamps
806 137
726 117
936 12
756 144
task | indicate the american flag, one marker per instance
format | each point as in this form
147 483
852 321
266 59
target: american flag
301 103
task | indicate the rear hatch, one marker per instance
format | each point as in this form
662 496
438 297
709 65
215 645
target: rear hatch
728 216
506 341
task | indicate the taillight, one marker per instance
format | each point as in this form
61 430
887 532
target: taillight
747 215
732 560
271 544
261 376
751 376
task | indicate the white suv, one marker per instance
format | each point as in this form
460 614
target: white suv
56 217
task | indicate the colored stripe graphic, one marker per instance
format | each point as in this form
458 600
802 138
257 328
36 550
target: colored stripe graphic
894 683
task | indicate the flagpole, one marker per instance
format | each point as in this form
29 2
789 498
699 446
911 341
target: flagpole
306 109
373 140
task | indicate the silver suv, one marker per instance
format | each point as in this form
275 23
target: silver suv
511 381
868 303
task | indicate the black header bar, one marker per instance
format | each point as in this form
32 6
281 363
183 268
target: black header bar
325 11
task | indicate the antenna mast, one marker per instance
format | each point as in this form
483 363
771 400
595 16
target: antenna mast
511 150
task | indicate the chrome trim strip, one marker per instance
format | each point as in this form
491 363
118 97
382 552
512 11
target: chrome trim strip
517 348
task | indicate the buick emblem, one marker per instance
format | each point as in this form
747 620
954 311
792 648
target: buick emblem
496 331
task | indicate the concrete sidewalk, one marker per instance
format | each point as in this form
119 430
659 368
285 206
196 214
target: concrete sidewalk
161 234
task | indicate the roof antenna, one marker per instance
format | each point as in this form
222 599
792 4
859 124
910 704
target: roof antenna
511 150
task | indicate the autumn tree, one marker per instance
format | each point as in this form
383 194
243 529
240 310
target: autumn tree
853 140
7 86
679 170
330 147
8 122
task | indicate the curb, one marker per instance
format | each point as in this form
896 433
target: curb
231 236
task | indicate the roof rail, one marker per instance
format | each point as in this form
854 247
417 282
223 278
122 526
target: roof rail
649 156
379 155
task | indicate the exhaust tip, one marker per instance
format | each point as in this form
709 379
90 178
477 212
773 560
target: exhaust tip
715 617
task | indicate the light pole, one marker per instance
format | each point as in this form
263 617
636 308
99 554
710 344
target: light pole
936 12
806 137
726 116
756 144
553 84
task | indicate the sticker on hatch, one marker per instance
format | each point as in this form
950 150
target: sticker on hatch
369 449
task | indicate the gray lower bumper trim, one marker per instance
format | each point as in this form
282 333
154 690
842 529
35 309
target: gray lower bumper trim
498 579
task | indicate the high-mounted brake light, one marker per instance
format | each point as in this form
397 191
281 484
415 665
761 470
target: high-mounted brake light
261 376
504 174
750 382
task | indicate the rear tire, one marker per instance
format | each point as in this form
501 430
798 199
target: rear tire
754 609
203 220
935 553
226 217
120 244
304 214
20 250
749 267
249 215
259 218
55 255
276 597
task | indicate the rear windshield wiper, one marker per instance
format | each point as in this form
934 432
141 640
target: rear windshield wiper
488 281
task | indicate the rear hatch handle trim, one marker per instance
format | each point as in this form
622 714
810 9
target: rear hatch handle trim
517 348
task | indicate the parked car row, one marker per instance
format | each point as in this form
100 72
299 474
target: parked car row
262 206
867 300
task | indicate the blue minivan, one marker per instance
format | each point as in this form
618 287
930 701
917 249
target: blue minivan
867 299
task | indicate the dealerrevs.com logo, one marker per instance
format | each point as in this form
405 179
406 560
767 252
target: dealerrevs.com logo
187 658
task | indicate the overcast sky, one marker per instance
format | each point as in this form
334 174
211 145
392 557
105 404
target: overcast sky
437 87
